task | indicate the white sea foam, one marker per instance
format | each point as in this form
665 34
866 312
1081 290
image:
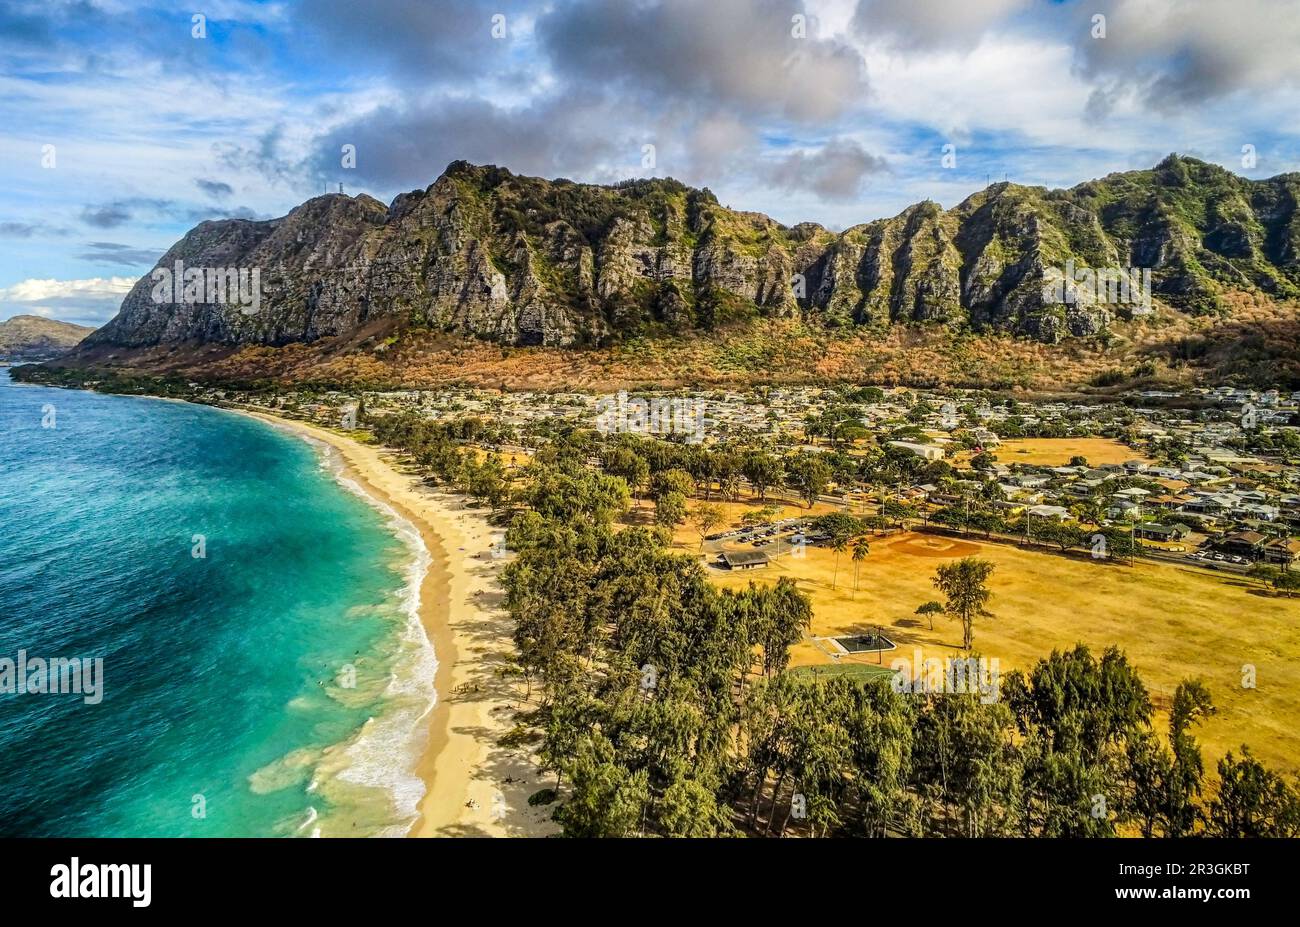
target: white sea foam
397 732
312 815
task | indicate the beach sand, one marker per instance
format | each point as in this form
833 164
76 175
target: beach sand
475 786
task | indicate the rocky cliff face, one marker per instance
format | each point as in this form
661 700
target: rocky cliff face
525 261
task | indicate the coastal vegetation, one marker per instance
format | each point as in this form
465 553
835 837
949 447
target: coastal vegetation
668 706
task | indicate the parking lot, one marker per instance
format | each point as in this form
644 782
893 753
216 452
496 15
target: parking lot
776 539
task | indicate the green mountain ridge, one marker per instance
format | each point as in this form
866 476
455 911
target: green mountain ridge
519 260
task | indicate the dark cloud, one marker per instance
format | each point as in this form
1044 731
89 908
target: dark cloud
119 212
1179 55
12 229
214 188
143 209
837 171
17 229
739 55
111 252
264 158
693 79
925 24
397 149
217 212
107 216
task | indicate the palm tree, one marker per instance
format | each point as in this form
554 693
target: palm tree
861 547
839 545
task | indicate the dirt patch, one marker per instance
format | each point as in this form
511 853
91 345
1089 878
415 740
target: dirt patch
929 546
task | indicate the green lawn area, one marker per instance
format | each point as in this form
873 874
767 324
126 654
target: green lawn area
856 670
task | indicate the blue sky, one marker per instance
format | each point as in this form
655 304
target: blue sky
836 111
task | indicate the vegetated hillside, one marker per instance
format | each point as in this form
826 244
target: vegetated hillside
523 261
1259 344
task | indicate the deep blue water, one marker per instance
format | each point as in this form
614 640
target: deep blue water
225 676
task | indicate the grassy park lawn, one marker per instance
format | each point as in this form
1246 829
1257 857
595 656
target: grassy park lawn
1173 622
856 670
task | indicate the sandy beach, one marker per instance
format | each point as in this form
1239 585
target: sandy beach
474 785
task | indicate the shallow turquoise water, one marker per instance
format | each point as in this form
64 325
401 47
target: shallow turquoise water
225 676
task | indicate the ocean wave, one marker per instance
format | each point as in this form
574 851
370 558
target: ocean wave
312 815
396 731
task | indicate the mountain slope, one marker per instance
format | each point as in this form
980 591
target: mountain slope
31 337
525 261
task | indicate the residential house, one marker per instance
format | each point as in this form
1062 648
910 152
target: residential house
1248 544
1151 531
1282 551
924 451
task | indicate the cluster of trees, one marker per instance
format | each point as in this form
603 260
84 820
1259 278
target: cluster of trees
435 447
839 424
844 532
1279 443
1119 542
720 468
1282 580
667 707
666 472
643 664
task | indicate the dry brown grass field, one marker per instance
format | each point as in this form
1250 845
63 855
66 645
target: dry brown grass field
1173 622
1056 452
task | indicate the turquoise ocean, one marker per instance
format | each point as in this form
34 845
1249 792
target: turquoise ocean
273 686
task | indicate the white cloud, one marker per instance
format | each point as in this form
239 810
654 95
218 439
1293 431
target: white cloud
33 291
92 301
1008 83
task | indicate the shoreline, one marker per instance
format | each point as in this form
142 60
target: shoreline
473 785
